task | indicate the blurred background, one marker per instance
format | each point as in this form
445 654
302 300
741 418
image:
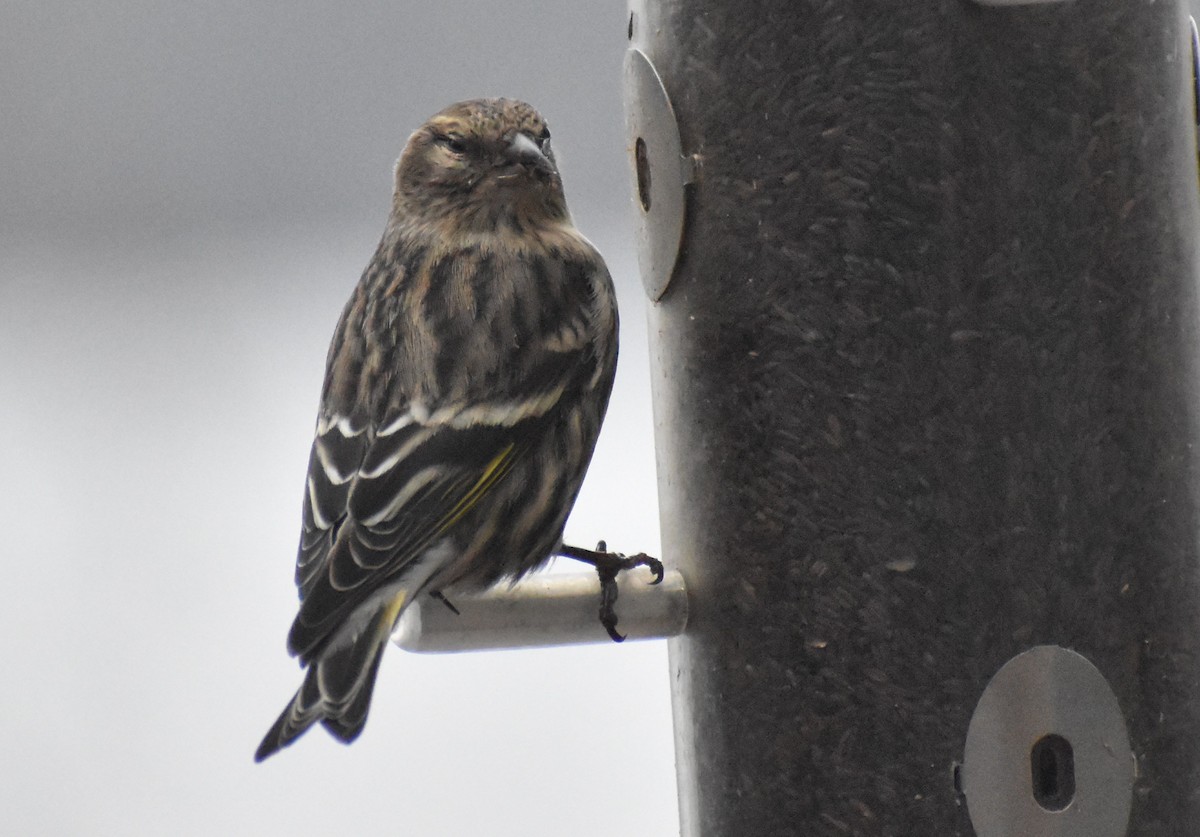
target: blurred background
190 192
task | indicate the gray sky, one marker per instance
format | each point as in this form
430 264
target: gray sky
190 193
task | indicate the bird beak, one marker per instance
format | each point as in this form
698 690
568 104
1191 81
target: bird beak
524 151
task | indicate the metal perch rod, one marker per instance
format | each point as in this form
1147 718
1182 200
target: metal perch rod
545 610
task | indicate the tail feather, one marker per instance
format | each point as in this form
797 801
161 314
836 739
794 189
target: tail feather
336 690
347 725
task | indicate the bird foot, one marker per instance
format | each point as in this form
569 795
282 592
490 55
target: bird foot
608 565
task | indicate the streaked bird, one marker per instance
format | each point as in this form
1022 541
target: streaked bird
465 386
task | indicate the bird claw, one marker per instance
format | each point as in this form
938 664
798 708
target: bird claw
608 601
437 594
653 564
608 566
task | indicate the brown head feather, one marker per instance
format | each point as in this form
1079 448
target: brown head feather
468 168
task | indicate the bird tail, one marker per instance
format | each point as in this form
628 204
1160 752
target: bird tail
337 686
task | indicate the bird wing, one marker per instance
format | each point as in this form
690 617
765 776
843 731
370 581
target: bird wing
414 481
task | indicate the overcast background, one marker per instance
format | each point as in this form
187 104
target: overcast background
188 194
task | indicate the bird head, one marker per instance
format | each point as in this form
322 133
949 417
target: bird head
479 164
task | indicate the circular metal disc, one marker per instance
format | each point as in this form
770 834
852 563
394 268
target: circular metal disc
1048 693
657 166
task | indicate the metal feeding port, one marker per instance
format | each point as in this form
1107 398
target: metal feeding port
660 171
1047 752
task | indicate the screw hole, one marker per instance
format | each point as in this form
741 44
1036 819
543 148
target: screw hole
1052 764
643 173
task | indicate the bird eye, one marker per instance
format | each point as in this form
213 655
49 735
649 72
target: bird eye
544 139
453 143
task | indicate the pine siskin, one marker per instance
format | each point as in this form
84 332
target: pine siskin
464 390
